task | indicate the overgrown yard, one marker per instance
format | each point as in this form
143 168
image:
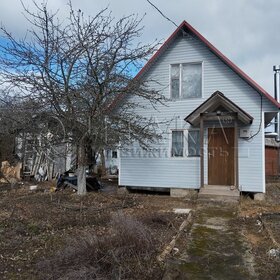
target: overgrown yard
111 235
118 235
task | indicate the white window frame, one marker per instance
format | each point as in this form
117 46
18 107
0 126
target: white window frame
185 144
180 79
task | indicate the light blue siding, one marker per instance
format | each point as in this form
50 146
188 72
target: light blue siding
158 169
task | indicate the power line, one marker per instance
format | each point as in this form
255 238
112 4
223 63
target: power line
162 13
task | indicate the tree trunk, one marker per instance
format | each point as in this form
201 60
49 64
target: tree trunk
81 171
103 166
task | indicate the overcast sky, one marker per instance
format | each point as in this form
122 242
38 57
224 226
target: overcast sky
246 31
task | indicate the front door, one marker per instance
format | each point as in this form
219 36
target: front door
221 156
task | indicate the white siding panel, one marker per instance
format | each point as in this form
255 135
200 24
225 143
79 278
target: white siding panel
148 170
175 173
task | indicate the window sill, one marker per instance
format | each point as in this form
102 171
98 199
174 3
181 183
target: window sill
184 158
184 99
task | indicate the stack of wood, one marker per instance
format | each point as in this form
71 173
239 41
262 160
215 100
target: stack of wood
42 167
10 174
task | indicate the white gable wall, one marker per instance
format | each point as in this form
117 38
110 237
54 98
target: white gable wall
159 169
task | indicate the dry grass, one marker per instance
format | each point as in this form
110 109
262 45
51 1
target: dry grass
126 252
63 236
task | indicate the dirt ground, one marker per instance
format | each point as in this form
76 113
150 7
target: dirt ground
38 230
115 234
259 222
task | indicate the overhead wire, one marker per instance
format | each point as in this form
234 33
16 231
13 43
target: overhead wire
161 13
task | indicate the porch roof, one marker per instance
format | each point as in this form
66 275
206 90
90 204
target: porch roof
216 103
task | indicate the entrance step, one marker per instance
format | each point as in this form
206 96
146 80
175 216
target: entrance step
220 193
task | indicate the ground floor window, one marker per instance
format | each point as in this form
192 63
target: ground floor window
193 143
114 154
185 143
177 149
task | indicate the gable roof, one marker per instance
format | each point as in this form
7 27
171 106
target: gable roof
214 102
187 27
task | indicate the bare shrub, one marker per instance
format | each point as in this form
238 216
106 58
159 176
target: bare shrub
158 219
128 230
126 252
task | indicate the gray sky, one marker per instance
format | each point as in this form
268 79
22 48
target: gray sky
246 31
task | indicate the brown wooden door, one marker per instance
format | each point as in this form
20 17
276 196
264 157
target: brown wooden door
221 156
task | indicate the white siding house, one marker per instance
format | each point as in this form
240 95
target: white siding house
208 94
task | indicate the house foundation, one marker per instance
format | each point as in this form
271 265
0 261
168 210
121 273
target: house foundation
188 193
259 196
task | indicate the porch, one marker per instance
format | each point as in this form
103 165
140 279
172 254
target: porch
219 120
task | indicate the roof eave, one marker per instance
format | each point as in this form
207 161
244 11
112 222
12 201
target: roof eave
216 99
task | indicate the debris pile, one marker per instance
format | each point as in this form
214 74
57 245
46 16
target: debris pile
9 173
69 179
275 253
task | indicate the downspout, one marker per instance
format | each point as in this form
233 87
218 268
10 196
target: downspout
276 69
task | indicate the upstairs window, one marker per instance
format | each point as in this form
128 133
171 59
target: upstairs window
175 81
186 80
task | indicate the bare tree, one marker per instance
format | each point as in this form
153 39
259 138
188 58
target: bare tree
81 70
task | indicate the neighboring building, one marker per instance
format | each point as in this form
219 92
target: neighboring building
272 158
218 116
43 160
112 162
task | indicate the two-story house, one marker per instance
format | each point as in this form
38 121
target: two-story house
218 115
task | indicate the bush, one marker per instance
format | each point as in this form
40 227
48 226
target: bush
126 252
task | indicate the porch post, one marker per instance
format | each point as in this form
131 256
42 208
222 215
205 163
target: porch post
236 152
201 150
